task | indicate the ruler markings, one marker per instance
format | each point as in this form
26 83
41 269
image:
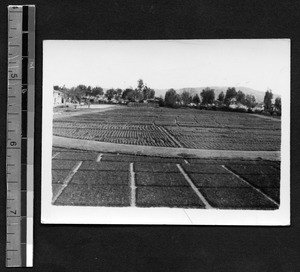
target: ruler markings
21 46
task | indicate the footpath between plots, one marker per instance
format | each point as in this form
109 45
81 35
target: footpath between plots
161 151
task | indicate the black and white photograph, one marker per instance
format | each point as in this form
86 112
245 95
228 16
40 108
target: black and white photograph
166 132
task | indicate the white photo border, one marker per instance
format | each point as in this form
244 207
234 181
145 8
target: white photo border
51 214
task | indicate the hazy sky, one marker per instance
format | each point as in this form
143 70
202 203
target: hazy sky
164 64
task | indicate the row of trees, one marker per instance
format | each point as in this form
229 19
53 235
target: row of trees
172 99
207 97
79 92
142 92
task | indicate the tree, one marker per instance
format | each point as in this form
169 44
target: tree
268 100
141 85
170 98
118 93
110 93
186 97
76 93
240 97
160 100
221 97
137 95
88 91
128 94
82 89
277 104
196 99
138 92
97 91
148 93
143 92
208 96
250 101
230 94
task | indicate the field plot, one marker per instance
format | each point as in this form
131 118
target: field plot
84 178
120 134
187 128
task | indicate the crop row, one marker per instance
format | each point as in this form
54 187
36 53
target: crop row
101 126
149 138
216 145
231 137
145 141
173 122
223 133
230 140
181 117
112 133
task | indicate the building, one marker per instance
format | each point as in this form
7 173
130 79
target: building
58 98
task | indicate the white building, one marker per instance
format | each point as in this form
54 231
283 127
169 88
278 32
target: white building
58 98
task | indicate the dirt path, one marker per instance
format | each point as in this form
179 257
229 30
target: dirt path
82 111
161 151
266 117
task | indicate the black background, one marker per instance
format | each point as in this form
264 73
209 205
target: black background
158 248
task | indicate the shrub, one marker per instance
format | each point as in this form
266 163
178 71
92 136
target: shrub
225 108
202 107
240 110
62 106
266 113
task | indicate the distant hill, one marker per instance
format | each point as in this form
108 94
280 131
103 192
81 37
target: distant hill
259 95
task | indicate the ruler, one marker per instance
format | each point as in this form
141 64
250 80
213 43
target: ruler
20 135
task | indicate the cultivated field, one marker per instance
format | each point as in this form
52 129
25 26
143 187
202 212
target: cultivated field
82 178
187 128
86 178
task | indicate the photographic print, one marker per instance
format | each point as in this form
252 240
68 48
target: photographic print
166 132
